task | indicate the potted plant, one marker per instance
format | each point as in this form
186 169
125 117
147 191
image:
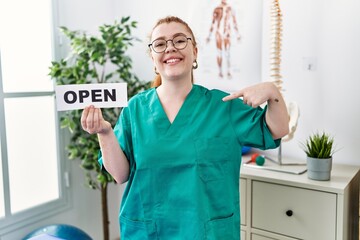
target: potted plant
319 148
96 59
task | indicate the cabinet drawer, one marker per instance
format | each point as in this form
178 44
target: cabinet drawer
258 237
243 201
295 212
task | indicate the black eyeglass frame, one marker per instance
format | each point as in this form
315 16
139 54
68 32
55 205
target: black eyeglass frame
150 45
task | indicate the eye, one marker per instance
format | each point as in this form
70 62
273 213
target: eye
159 44
179 40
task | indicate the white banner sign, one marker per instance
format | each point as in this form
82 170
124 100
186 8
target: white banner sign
79 96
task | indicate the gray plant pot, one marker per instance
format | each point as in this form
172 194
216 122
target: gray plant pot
319 169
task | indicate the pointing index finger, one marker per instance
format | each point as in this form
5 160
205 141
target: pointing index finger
233 96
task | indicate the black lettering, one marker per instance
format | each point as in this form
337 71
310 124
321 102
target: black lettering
111 95
83 94
72 100
95 94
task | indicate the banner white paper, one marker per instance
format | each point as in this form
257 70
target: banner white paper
79 96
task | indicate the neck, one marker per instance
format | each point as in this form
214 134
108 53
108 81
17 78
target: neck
174 89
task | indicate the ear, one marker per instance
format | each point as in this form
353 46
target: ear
195 52
150 54
152 59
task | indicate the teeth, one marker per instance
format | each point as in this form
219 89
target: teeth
172 60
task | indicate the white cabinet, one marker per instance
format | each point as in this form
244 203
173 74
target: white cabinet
282 206
243 235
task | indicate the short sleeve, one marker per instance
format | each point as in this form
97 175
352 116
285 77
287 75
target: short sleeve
250 126
122 131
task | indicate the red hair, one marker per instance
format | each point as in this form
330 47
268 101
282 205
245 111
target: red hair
157 81
169 19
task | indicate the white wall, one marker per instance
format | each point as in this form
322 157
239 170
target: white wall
328 30
340 75
328 97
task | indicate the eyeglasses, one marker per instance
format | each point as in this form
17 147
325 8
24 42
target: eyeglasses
179 42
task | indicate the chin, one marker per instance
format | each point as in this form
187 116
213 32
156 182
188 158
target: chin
174 76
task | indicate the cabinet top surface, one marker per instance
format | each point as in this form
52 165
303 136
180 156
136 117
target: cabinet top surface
341 176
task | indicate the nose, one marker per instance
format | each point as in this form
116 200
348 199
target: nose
170 47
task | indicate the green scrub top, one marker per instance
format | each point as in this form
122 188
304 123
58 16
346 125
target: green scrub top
184 176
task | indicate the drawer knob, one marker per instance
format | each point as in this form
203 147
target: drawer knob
289 213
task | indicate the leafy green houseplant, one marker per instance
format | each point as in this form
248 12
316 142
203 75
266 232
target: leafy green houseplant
96 59
319 145
319 149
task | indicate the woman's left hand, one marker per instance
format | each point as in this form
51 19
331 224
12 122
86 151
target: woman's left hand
256 95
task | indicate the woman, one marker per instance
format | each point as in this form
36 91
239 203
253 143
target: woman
178 145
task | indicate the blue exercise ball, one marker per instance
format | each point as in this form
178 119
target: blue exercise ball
62 231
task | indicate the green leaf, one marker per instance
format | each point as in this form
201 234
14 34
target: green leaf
134 24
72 126
64 122
124 19
73 153
88 165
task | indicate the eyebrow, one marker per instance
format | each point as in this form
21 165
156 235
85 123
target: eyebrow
175 35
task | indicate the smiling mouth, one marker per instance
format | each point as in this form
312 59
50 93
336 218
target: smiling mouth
173 60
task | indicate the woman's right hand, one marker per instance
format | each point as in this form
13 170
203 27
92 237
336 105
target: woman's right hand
92 121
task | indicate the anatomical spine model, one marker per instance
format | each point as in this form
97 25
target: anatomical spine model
275 47
275 61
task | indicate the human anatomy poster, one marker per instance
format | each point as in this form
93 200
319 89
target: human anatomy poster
228 33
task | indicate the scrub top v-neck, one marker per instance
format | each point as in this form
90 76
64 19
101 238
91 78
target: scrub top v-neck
184 175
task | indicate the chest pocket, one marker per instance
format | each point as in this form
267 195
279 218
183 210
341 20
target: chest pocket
212 156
